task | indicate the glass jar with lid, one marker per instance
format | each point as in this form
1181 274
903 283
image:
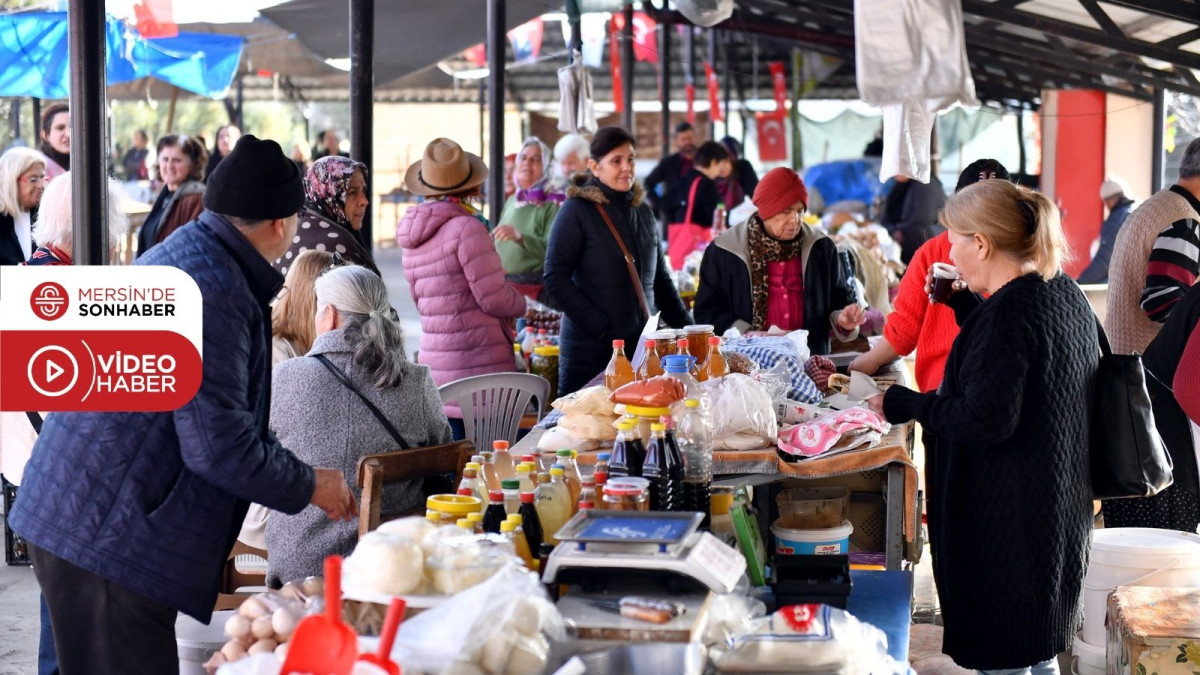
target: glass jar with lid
627 494
697 337
545 365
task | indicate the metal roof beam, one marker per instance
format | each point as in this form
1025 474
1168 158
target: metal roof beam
1181 39
1180 10
1102 18
1066 29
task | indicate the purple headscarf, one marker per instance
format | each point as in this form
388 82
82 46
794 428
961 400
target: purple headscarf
326 184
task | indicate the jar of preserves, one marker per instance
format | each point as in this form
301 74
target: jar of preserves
545 365
664 342
697 337
626 494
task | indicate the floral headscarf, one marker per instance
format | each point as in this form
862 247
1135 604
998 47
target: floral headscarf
540 192
326 184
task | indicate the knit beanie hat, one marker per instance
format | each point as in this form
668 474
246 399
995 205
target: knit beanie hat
255 181
778 190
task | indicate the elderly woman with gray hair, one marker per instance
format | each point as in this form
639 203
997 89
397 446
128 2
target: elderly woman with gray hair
319 411
22 179
53 231
525 221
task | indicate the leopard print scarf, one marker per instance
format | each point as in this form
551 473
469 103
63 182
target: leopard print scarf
763 249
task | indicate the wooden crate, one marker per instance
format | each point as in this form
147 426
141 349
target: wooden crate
1153 631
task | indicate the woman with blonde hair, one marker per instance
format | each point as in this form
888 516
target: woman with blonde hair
1010 514
293 316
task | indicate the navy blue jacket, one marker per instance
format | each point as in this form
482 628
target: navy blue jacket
1097 270
154 501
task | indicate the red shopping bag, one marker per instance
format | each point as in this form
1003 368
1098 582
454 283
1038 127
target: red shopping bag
685 237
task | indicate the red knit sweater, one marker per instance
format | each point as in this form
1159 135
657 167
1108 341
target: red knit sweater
916 323
1187 378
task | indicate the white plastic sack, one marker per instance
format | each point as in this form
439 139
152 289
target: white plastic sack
907 132
743 415
588 401
576 113
705 13
559 438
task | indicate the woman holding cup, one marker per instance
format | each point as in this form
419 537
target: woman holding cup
1008 473
917 324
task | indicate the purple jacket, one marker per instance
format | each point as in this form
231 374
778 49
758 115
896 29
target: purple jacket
458 285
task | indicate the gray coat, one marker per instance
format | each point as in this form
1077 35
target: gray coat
327 425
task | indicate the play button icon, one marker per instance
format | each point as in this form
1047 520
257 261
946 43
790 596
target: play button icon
56 363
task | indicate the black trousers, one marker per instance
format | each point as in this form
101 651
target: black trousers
101 627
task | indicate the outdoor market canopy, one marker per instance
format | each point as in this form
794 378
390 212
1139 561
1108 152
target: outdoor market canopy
33 47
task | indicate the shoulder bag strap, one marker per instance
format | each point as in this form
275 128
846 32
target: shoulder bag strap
341 377
1105 347
687 219
633 275
36 420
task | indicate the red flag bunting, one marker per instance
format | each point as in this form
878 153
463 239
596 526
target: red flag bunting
526 41
779 79
714 94
155 19
645 39
772 138
476 55
689 90
614 58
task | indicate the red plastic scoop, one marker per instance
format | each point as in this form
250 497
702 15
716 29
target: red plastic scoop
387 637
323 645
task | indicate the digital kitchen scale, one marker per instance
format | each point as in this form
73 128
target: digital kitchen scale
608 550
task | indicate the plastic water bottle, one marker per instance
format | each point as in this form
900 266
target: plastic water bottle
694 438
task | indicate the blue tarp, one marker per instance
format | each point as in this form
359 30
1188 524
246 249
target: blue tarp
856 179
33 51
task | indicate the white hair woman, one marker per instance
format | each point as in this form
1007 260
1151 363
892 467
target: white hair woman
22 180
52 233
571 154
318 412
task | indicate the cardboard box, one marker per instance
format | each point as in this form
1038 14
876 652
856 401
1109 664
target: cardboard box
1153 631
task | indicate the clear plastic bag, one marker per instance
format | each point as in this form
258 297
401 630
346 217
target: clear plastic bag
501 626
742 414
807 638
589 401
705 13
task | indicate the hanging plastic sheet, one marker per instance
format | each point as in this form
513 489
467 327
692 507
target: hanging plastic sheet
33 51
911 60
576 111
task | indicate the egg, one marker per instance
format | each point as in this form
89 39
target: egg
281 651
283 622
494 655
237 626
313 586
292 591
261 627
232 651
263 647
252 608
528 655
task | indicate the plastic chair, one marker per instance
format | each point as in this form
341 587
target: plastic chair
376 471
235 580
494 405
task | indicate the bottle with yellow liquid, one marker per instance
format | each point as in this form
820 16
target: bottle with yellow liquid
512 532
619 371
525 473
571 474
650 365
551 503
503 461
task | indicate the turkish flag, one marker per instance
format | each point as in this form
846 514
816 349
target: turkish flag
155 19
714 94
779 79
476 55
689 91
645 40
614 59
772 138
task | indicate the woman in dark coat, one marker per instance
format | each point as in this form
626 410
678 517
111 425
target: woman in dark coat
586 272
776 271
1010 514
1178 506
181 162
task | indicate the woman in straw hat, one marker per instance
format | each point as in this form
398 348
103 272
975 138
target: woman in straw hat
454 271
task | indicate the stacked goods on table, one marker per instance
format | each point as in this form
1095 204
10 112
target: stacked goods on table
265 622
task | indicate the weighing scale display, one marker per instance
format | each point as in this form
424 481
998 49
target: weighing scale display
634 529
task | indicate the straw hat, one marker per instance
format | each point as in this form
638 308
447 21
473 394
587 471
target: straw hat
445 169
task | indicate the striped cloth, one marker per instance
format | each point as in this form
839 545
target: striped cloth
1172 270
778 353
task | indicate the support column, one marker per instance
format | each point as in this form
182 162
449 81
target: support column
1021 159
627 83
1160 127
712 61
16 119
241 120
37 122
89 188
362 99
728 44
664 93
496 45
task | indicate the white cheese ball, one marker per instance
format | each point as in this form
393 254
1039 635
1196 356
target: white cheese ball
387 563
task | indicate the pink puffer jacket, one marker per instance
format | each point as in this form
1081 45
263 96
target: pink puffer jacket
458 285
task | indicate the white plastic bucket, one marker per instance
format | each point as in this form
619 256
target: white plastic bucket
1089 659
1135 556
824 541
197 642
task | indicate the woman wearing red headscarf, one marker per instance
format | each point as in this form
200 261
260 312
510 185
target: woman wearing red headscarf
776 271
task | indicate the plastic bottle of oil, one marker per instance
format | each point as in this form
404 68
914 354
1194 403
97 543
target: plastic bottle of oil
503 461
571 474
511 531
619 371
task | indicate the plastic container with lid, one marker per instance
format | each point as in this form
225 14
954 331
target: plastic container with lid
476 521
545 365
600 470
627 494
452 507
664 342
466 524
495 514
570 473
503 460
512 531
525 473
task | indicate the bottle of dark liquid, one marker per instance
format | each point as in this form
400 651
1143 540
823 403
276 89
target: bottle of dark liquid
657 469
675 461
694 438
530 522
618 463
495 512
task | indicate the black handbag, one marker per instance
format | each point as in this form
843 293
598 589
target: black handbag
1128 456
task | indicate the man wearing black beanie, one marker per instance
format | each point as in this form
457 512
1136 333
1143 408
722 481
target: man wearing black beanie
119 546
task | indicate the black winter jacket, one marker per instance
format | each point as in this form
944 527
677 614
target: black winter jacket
724 300
669 172
703 206
587 275
1010 499
10 246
